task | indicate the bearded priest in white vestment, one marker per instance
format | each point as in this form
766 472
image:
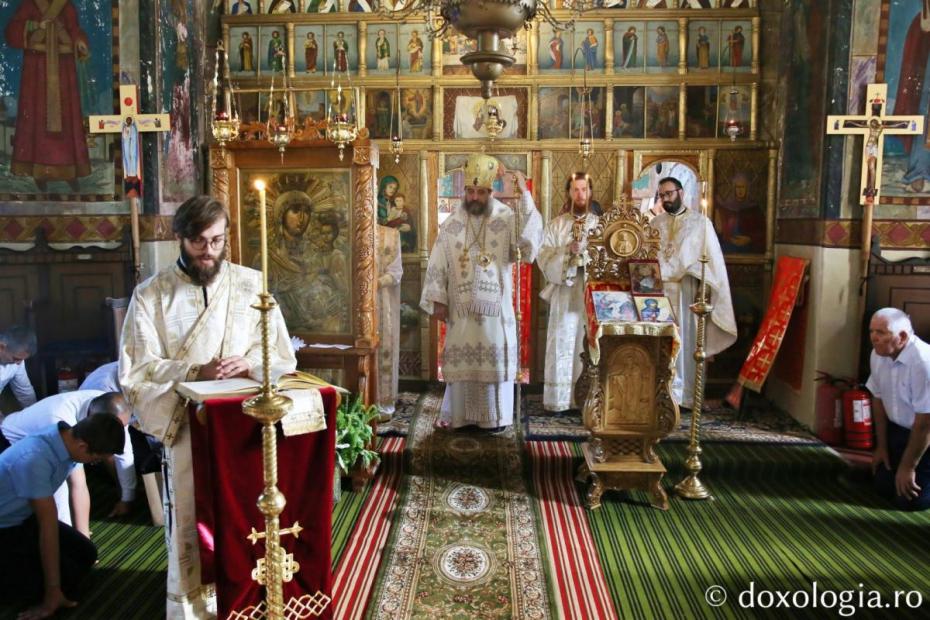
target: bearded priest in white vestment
390 272
469 285
192 321
564 242
683 232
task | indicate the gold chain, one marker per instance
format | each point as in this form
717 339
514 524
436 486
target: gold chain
478 236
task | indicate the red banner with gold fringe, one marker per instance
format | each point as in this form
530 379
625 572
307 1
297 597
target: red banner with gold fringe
789 274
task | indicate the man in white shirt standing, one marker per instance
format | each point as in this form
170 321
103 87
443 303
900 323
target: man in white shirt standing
17 344
900 386
72 498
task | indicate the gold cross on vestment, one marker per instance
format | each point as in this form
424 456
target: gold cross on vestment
874 124
114 123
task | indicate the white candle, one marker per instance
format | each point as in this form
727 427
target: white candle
263 218
704 213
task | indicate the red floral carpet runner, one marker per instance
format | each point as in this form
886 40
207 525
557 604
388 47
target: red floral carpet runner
355 573
581 590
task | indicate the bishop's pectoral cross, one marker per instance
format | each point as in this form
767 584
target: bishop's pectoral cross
129 123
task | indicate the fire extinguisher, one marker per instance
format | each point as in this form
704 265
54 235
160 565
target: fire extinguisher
857 413
67 380
828 423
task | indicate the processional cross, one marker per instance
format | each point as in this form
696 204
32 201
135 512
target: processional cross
874 125
129 123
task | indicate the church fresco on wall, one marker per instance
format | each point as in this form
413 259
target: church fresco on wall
904 51
51 153
806 71
178 27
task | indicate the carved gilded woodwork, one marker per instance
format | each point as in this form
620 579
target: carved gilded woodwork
305 176
621 235
629 368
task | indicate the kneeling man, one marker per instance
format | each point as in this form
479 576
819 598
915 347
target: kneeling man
900 386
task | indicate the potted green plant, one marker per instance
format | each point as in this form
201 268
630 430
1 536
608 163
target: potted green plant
354 435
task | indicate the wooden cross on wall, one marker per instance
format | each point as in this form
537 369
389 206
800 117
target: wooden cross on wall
874 125
130 123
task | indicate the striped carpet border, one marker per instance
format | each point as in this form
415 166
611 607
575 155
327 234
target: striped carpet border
578 579
356 570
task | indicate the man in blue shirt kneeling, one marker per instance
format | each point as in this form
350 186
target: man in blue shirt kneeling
40 557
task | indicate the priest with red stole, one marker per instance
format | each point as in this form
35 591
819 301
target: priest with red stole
49 143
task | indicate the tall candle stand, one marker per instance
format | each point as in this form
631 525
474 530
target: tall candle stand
278 566
691 486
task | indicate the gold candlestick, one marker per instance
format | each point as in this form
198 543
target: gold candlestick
278 566
691 486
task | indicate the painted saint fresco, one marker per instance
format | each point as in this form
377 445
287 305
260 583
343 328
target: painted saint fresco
906 169
44 148
179 22
805 109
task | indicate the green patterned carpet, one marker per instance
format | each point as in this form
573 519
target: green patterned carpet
129 581
784 517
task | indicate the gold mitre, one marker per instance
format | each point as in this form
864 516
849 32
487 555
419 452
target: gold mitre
481 170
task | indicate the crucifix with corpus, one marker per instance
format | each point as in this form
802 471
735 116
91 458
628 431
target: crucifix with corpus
874 125
129 123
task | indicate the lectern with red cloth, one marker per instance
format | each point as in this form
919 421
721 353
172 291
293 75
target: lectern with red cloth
227 450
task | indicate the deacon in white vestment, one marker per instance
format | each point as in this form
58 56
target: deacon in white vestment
683 232
390 271
192 321
561 259
469 285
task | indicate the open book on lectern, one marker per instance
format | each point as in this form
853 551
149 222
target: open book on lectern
199 391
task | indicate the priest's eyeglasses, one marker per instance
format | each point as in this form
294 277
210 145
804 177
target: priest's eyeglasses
668 195
215 243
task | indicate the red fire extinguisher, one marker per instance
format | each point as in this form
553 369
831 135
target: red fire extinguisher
67 380
857 413
828 423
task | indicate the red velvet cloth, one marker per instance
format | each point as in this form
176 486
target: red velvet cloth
227 453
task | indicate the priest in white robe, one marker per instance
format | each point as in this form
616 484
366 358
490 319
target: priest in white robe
390 272
561 259
469 285
683 233
192 321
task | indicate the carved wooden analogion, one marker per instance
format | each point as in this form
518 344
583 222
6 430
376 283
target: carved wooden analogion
629 370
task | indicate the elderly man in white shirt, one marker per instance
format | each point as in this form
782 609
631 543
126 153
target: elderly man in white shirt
72 498
17 344
900 386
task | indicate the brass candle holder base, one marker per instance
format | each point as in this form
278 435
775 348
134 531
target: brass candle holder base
692 487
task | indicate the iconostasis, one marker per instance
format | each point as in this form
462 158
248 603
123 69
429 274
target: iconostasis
674 89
